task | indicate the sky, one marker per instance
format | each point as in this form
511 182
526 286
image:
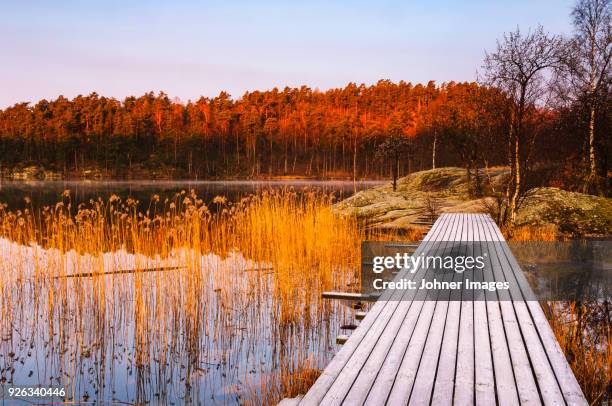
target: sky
193 48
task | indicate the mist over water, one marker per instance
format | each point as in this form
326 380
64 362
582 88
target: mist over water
43 193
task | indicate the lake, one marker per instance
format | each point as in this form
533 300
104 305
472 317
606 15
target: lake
43 193
223 328
217 331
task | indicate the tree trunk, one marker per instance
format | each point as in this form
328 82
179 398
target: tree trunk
433 153
468 175
175 149
477 180
516 183
270 163
237 152
285 169
394 170
592 179
355 165
516 187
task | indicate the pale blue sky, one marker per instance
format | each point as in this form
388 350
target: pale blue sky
193 48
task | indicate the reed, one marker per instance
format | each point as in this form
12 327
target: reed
583 329
584 332
222 298
533 233
243 310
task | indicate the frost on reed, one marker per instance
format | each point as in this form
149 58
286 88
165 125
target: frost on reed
239 320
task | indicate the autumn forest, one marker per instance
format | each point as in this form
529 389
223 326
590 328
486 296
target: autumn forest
279 132
540 105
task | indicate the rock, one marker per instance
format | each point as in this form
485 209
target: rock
446 190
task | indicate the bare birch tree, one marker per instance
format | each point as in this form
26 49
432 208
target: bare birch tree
588 70
519 68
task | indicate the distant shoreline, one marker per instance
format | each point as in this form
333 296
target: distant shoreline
234 181
39 174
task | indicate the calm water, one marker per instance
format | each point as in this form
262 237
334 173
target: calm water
229 348
158 337
49 192
567 270
103 338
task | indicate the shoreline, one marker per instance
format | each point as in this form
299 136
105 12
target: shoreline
34 173
373 181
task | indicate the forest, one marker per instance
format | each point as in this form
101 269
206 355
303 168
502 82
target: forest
541 105
299 132
289 132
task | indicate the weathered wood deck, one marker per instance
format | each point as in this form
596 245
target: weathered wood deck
463 351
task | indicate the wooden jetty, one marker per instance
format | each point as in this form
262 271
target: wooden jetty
494 350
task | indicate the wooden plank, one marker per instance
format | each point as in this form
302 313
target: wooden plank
465 371
406 376
435 354
341 339
425 378
347 296
567 380
379 391
445 371
362 368
483 359
502 366
548 386
377 317
525 381
360 315
568 385
290 401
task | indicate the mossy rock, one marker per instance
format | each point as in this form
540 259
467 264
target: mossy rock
572 213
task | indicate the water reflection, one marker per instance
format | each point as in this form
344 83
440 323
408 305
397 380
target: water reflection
209 333
567 270
43 193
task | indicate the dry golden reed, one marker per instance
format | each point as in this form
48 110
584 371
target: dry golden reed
584 332
235 287
227 297
533 233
